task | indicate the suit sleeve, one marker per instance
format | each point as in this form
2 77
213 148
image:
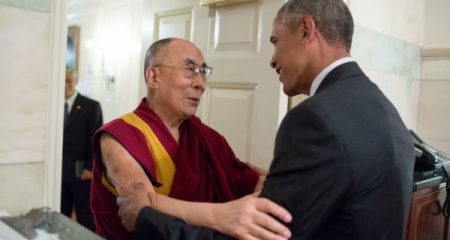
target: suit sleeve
95 122
309 175
152 224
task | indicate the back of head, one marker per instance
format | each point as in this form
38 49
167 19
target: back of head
332 18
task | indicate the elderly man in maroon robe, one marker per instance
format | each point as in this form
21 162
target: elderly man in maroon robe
163 145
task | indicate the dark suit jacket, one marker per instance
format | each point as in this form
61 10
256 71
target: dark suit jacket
84 119
343 166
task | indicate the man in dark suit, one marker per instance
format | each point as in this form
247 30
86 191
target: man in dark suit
82 117
343 159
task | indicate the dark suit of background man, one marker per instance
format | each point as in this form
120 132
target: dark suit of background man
82 117
343 159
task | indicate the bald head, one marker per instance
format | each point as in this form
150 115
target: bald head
153 51
159 49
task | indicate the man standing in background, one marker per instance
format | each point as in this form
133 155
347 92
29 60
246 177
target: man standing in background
82 117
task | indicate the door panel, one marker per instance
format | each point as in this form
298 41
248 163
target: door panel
176 23
231 107
228 40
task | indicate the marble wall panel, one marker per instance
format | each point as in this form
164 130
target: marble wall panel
401 91
24 70
434 105
34 5
434 110
22 187
384 17
381 52
394 65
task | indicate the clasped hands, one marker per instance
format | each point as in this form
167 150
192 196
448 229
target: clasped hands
245 218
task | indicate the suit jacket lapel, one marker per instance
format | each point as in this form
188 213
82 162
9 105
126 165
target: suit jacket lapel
341 72
76 108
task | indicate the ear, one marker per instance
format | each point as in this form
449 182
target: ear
307 28
152 77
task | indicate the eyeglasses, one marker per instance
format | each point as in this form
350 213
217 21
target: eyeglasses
192 70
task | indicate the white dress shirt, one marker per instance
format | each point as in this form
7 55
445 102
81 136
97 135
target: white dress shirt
70 102
319 78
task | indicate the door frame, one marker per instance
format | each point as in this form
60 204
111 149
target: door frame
54 141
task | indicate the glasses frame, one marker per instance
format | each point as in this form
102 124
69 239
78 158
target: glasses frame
191 70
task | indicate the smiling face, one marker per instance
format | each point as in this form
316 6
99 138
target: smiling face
291 59
174 93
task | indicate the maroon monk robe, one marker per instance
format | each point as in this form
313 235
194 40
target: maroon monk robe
206 168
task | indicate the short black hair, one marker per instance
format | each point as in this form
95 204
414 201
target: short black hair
332 18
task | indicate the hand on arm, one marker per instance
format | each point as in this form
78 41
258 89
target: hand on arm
127 175
244 218
131 205
128 178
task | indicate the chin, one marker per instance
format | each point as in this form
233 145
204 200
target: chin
289 92
189 114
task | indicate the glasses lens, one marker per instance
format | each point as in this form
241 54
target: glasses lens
193 70
207 71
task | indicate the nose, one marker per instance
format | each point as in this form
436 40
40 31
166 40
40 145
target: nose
273 62
199 82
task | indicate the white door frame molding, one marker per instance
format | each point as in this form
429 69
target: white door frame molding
53 151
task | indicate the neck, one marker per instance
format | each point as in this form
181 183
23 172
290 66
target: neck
171 121
67 98
331 54
324 55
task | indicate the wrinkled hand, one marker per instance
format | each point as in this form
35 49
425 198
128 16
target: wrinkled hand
86 175
248 218
130 205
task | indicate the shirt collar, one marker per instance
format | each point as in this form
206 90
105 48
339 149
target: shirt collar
319 78
70 101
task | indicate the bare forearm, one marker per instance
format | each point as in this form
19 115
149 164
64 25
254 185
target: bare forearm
260 171
259 185
243 218
195 213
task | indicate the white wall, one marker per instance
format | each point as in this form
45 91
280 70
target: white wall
433 120
388 35
110 48
437 24
28 105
